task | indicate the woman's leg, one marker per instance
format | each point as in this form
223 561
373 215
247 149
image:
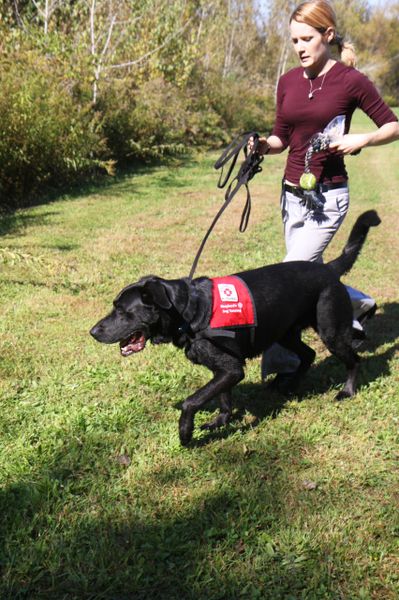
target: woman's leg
307 234
362 304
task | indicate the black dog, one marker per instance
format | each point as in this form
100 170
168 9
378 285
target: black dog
288 297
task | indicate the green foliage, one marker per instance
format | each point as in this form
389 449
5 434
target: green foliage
159 118
241 105
47 137
144 123
391 100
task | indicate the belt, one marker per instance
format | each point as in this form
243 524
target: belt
320 187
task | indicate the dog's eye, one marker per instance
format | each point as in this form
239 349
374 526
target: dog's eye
146 298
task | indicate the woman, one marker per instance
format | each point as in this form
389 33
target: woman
308 98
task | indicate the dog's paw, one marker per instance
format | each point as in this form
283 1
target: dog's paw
186 428
219 421
343 395
284 383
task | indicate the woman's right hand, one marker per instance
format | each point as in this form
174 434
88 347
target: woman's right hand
263 146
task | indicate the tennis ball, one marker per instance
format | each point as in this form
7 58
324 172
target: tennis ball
308 181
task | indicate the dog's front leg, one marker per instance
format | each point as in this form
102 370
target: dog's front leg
221 383
224 416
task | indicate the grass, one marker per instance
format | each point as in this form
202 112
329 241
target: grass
294 500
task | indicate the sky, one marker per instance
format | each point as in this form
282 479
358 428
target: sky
377 2
264 4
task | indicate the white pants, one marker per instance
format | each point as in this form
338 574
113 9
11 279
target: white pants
307 234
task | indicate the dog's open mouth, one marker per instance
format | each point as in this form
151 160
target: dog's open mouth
135 343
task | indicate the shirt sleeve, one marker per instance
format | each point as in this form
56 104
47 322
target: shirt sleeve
281 129
369 100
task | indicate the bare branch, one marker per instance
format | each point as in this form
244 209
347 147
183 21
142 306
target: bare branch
36 5
46 12
107 42
17 15
151 52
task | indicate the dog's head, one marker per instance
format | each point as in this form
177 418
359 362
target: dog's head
151 309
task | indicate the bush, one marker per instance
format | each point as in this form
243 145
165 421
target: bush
52 136
241 105
47 137
159 119
144 123
391 100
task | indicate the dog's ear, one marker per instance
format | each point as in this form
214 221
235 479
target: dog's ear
165 294
154 292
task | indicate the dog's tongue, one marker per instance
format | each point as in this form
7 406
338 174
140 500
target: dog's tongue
134 344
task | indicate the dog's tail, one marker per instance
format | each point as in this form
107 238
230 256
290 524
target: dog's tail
353 246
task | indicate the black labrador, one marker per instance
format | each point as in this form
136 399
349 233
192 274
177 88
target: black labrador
288 297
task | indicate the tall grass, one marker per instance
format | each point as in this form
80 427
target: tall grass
295 499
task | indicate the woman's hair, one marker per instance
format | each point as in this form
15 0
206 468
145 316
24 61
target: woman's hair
320 15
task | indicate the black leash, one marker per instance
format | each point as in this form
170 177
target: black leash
248 169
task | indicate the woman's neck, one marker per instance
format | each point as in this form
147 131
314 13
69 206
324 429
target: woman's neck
318 70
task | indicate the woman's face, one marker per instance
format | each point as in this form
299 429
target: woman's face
311 46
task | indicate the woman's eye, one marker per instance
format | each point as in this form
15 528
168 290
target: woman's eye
304 39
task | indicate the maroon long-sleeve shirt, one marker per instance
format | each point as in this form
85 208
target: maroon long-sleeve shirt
298 118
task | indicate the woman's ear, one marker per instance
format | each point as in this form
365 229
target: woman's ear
329 34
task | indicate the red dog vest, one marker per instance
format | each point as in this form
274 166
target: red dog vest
232 303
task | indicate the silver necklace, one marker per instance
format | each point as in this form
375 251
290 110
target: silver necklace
312 91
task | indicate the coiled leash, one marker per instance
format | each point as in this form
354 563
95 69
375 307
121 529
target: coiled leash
310 196
334 130
248 169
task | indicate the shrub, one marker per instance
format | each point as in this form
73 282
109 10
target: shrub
159 119
391 100
144 123
241 105
47 138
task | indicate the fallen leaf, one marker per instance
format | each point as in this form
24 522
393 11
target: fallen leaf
123 459
309 485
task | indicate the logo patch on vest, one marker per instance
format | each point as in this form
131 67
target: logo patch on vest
232 303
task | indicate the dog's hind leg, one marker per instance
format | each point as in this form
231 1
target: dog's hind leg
349 388
334 326
340 345
343 350
225 413
286 382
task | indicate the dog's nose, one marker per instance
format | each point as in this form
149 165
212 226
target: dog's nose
96 331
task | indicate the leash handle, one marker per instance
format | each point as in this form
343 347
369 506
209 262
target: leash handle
232 152
248 169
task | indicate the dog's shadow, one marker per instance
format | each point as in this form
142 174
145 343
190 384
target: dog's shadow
254 402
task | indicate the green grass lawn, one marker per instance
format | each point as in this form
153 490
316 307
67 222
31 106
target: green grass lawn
294 500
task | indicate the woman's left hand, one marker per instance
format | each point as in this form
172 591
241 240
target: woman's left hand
351 143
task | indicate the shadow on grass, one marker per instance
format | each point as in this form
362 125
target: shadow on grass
143 550
17 222
133 544
168 171
384 327
262 402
